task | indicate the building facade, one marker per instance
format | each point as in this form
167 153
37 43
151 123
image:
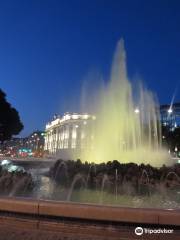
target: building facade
71 134
170 115
67 136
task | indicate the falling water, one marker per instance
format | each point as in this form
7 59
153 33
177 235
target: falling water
59 168
77 177
90 169
105 181
21 185
116 179
173 174
144 173
126 127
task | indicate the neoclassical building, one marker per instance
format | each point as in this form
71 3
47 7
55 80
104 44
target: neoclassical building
67 136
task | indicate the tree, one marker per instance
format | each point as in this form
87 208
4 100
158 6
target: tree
10 123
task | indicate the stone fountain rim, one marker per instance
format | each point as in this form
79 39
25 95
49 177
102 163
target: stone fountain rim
91 212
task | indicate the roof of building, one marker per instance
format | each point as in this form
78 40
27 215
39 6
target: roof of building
166 106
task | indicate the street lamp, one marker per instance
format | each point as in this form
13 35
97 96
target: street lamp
170 117
176 149
136 110
170 110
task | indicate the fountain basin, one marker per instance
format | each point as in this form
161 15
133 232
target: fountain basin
90 212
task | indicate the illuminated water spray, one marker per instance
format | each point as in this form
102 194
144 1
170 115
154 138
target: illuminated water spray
124 129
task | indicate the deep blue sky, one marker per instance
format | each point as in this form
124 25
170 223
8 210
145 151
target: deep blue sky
47 48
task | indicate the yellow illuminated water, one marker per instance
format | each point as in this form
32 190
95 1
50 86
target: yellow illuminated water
124 130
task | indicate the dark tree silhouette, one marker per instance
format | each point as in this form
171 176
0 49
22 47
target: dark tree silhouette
10 123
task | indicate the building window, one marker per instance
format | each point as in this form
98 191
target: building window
66 136
74 136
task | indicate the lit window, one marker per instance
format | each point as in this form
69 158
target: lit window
75 116
67 117
66 137
85 116
74 136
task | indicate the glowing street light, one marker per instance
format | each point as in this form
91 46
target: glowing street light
176 151
136 110
170 110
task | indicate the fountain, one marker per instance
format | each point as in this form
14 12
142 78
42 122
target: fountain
90 168
77 178
146 183
127 127
174 174
21 186
62 165
121 131
116 179
14 180
105 181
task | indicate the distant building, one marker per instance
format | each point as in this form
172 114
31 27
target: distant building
33 145
12 146
66 136
70 134
35 141
170 115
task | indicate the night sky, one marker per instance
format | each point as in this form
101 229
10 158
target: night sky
48 48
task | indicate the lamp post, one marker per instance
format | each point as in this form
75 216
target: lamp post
170 111
176 149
